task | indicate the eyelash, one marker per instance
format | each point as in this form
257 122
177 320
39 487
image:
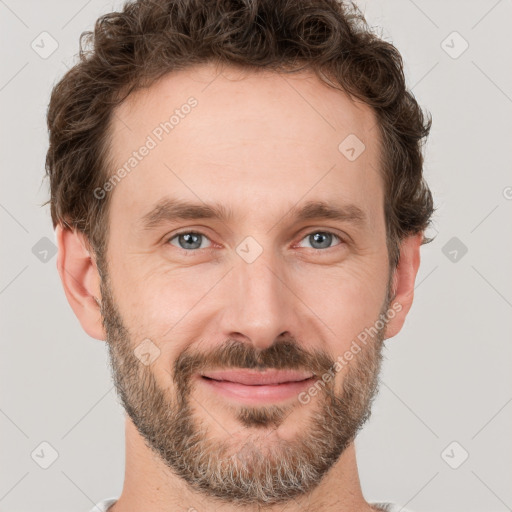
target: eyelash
175 235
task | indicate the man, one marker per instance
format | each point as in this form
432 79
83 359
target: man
239 206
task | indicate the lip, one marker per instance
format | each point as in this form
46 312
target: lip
257 378
255 387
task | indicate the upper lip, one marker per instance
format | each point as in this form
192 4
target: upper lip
258 378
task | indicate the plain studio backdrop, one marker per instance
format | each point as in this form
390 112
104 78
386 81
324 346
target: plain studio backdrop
439 436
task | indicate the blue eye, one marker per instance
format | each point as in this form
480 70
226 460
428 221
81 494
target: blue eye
189 240
192 240
322 239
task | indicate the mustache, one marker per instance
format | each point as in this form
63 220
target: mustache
285 354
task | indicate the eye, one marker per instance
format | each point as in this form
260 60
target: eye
188 240
193 240
321 239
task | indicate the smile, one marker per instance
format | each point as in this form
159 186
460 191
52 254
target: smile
255 387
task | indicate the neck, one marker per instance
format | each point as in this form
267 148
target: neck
150 485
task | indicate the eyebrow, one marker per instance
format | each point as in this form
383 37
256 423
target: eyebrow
169 210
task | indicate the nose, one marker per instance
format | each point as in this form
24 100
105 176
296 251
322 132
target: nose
259 304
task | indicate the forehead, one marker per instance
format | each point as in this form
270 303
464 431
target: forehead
244 138
271 99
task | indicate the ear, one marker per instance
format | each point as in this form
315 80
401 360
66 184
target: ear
404 277
81 279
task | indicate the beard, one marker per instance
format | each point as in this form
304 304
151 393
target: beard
259 468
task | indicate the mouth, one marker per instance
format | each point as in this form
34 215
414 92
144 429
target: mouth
253 386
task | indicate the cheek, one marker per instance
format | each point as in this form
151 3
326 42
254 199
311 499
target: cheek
168 306
346 299
157 295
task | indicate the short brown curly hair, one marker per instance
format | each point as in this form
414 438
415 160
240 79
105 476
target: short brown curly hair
150 38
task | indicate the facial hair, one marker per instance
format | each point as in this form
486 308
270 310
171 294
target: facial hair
260 471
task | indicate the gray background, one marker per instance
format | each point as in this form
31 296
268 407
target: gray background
447 375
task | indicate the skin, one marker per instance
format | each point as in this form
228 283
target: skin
259 143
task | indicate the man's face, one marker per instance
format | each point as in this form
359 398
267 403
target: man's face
262 288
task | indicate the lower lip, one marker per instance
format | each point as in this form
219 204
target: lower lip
258 394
